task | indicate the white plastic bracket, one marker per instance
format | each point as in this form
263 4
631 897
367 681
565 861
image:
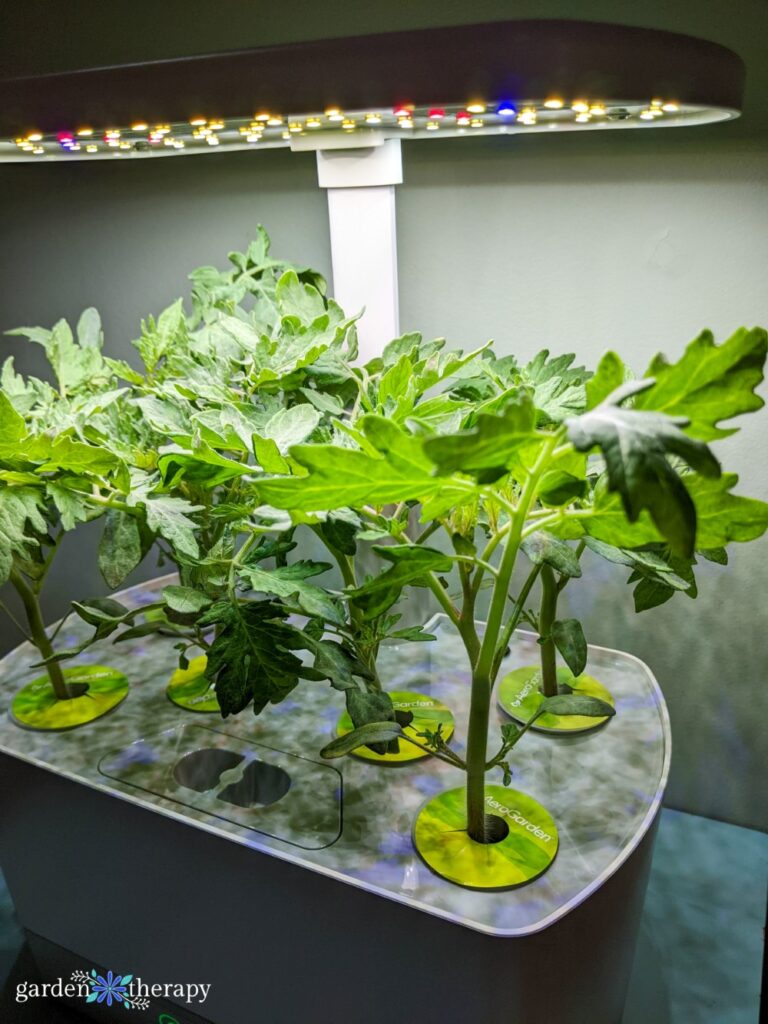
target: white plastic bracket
361 209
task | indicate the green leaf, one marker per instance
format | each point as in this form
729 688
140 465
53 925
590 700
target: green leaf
340 477
611 374
89 332
335 663
340 534
120 548
609 524
291 426
251 656
12 426
411 564
509 734
373 733
651 592
545 549
170 517
395 381
185 600
19 507
570 641
268 455
72 364
558 387
165 335
64 453
299 300
710 382
717 555
636 446
560 488
492 441
289 581
723 517
71 505
577 704
204 466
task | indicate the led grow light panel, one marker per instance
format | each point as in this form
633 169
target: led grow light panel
337 128
502 77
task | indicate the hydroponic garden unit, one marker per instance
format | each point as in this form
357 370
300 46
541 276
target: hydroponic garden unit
150 836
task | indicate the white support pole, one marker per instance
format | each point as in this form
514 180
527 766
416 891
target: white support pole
361 208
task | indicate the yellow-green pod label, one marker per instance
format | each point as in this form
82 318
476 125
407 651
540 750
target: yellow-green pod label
191 690
427 713
520 696
526 849
36 706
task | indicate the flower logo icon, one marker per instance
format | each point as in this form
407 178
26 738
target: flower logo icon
113 988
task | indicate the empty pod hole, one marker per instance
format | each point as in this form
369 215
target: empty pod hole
262 784
201 769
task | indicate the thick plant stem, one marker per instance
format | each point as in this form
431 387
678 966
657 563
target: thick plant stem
477 745
547 614
486 663
38 633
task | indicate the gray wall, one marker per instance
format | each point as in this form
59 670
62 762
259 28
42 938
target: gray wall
578 244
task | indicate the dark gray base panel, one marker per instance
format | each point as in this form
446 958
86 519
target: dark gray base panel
141 893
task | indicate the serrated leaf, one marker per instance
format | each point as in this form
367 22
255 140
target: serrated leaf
290 581
491 442
710 382
170 517
611 373
120 548
71 505
295 299
203 465
268 455
411 564
717 555
251 658
185 600
291 426
569 639
543 548
12 426
160 337
340 477
723 517
65 453
636 446
557 386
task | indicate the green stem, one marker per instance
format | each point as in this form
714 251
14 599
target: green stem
514 618
487 659
14 620
448 756
547 615
38 634
477 749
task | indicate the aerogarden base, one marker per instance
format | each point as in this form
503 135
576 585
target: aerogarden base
122 853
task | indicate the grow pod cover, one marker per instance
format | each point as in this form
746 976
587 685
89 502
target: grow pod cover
508 77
